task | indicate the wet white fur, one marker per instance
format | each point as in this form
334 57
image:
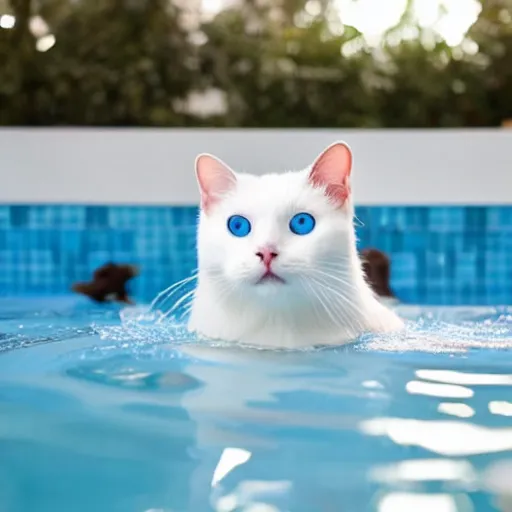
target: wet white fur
325 301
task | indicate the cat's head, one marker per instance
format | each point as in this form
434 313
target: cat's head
277 235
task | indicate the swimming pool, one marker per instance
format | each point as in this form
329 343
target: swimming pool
103 416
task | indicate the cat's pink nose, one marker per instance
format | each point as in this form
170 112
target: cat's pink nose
266 255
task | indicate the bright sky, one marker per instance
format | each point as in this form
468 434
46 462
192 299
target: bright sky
374 17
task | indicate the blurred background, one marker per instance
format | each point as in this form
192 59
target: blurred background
256 63
265 85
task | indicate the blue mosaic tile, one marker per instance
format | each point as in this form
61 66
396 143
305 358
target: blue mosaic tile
3 239
5 216
97 258
465 268
440 255
415 241
97 216
416 218
499 218
70 241
476 219
19 215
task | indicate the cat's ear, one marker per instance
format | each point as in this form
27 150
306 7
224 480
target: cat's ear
215 179
331 171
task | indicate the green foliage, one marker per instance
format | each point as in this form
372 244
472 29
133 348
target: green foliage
285 76
493 33
116 62
431 88
279 64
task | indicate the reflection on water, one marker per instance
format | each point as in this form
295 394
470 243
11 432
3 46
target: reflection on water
475 379
230 459
255 495
406 502
502 408
137 418
461 472
442 437
416 387
456 409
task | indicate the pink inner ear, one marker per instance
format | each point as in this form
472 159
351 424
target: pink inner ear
215 179
331 170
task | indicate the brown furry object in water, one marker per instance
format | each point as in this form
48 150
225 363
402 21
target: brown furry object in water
376 266
108 283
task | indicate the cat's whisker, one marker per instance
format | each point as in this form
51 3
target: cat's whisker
168 292
174 313
176 305
345 265
335 277
336 283
361 223
187 310
337 269
344 311
343 259
225 289
325 280
305 268
325 304
170 301
342 318
348 306
314 304
336 257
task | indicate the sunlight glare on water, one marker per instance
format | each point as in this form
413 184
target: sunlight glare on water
109 410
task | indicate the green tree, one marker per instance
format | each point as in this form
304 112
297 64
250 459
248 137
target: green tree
429 84
279 63
493 34
430 87
115 62
18 71
281 75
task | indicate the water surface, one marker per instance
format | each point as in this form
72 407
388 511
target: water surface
104 416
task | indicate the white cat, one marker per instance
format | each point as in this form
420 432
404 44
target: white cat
278 265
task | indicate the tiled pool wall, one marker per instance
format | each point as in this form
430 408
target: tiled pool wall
440 255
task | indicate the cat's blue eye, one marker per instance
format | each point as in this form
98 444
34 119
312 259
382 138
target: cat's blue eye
239 225
302 224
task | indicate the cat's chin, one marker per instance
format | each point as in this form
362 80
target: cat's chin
269 288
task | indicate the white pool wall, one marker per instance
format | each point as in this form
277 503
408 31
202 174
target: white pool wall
155 166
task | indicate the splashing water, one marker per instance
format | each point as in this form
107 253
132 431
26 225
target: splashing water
434 330
163 321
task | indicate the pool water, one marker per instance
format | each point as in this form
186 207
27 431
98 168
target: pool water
103 415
